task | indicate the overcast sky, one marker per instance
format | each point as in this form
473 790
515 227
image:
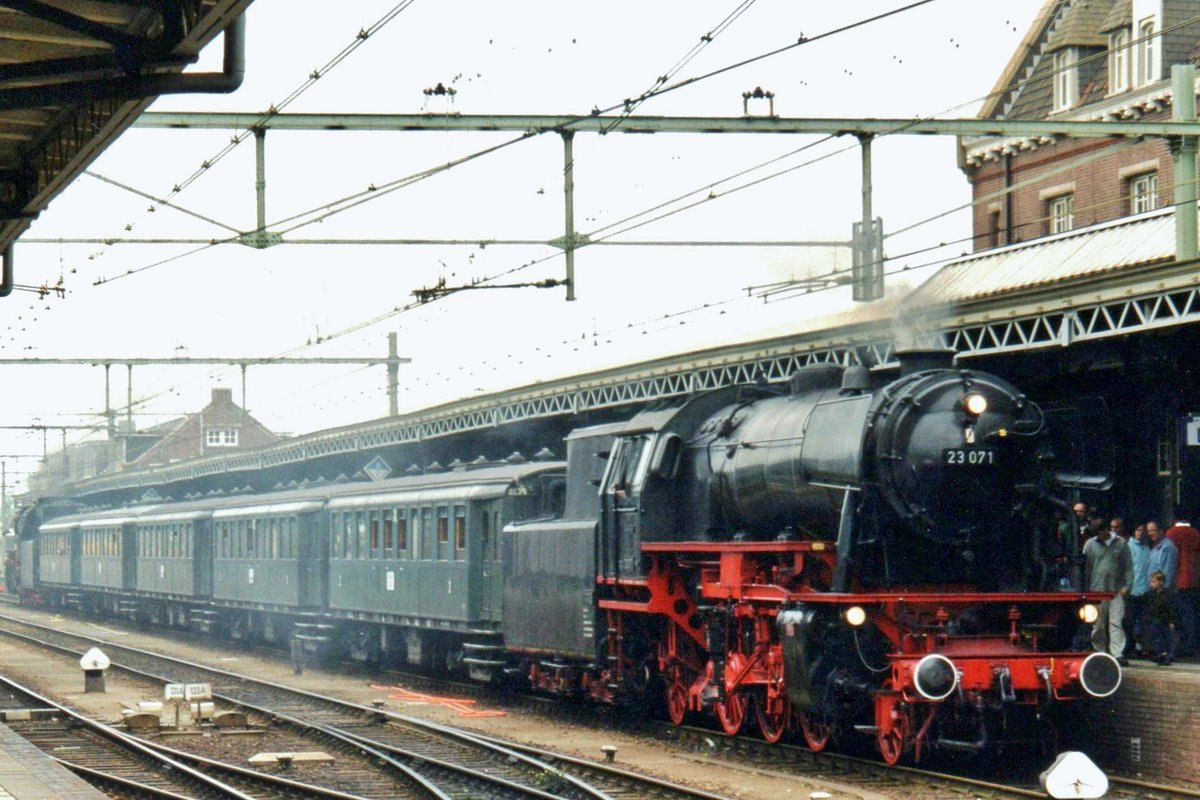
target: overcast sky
127 300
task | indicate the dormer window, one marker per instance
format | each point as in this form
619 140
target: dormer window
1066 80
1118 62
221 437
1148 68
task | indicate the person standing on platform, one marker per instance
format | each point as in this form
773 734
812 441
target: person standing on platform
1109 569
1135 610
1163 554
1160 620
1187 586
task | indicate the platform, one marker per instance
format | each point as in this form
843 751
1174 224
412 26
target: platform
26 773
1151 725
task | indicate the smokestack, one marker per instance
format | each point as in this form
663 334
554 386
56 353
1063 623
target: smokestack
922 359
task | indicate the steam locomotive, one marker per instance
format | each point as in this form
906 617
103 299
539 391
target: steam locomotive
857 553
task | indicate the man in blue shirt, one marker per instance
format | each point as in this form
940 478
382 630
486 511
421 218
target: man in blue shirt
1139 552
1163 554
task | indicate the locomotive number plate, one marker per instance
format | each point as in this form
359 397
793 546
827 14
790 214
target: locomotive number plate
969 456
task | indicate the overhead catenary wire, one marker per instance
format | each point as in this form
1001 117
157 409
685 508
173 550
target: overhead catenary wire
363 35
523 266
347 202
400 309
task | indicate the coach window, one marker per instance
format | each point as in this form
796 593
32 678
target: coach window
348 529
374 534
428 534
414 521
443 533
402 533
389 539
361 519
460 533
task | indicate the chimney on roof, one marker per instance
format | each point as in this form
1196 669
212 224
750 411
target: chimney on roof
222 396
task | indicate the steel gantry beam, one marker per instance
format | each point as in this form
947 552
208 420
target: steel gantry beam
547 123
393 361
867 237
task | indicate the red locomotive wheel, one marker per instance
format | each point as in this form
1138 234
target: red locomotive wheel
732 713
893 740
773 718
816 733
677 701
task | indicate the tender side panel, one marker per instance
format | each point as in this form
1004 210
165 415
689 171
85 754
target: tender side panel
548 595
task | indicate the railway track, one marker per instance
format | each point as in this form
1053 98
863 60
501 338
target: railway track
126 766
548 770
441 761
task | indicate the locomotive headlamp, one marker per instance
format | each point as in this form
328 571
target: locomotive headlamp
1089 613
975 404
856 615
935 677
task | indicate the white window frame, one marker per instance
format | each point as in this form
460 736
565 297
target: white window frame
1118 62
1061 213
1143 193
1148 69
1066 79
221 437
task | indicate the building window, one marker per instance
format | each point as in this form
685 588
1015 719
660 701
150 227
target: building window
221 437
1143 193
1066 80
1147 66
1061 213
995 229
1118 62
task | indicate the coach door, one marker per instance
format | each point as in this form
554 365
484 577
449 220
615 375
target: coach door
491 602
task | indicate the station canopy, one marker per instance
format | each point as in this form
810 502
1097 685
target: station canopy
74 74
